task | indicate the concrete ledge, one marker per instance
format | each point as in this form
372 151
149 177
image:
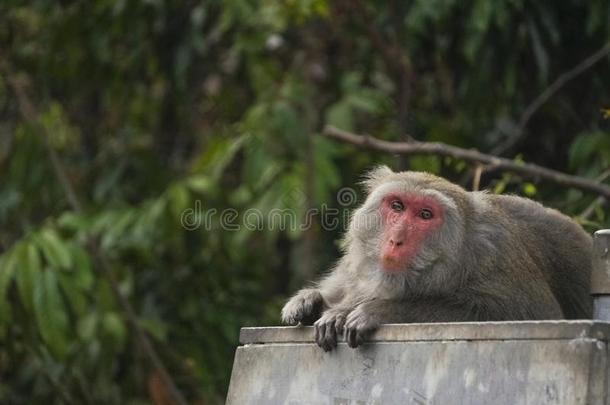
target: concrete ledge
417 332
500 363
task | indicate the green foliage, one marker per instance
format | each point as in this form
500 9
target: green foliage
164 113
590 153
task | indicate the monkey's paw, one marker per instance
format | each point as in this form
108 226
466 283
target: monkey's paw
360 323
303 308
328 327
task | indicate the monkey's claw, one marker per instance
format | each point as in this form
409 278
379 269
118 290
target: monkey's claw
328 327
358 325
353 337
304 308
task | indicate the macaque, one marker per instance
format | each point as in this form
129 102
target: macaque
421 249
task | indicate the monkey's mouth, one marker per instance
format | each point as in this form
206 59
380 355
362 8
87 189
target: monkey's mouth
392 264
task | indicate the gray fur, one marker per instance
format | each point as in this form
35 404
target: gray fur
494 258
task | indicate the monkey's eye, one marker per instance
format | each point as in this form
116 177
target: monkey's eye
397 205
425 214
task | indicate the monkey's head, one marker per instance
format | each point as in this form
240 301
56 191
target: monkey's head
411 228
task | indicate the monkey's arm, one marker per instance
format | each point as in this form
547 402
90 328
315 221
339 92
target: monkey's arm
304 307
308 304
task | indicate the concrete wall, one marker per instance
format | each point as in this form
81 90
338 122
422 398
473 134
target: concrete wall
554 362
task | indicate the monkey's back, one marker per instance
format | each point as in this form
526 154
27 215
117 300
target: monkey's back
558 246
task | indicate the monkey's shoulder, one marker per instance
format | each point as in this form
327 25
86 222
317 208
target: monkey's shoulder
534 218
521 207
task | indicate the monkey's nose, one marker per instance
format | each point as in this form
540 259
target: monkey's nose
396 242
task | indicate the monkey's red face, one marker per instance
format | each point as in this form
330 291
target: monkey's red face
408 219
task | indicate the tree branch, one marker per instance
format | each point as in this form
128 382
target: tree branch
471 155
30 114
476 181
597 202
549 92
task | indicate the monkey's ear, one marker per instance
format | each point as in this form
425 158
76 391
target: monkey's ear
375 177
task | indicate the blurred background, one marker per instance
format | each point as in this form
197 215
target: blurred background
120 120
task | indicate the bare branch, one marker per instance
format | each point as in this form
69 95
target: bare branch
471 155
586 214
549 92
30 114
476 181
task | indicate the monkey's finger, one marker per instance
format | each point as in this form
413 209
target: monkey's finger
300 315
328 345
354 338
350 337
359 338
352 319
320 333
346 336
339 324
330 340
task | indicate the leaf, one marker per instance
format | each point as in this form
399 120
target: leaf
83 271
529 189
589 147
28 269
201 184
286 123
114 327
55 250
108 182
155 327
600 213
218 154
260 166
482 13
179 199
50 313
8 264
87 327
117 228
75 296
61 134
366 100
73 222
499 187
340 115
7 270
